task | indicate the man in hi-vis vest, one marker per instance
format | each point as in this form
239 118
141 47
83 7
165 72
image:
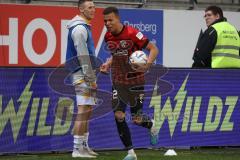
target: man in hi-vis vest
218 46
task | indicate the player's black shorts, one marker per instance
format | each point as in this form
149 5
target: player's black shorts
124 95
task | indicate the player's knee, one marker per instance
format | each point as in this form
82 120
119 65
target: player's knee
119 115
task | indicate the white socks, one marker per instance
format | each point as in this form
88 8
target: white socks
85 140
77 142
80 141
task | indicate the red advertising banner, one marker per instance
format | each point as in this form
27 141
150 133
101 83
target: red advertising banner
36 36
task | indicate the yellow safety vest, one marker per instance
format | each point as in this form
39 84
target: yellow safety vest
226 51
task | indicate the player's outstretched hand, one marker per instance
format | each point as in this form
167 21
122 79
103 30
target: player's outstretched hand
104 68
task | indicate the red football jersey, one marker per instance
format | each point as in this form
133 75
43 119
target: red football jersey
121 46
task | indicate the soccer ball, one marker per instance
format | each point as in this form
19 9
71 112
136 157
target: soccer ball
138 58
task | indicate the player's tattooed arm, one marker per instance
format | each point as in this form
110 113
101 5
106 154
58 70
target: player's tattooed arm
153 52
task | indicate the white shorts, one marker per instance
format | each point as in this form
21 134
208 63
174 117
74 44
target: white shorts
84 94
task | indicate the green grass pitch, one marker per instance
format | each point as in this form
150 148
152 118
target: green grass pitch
143 154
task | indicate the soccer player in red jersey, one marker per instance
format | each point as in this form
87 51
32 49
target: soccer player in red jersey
128 84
